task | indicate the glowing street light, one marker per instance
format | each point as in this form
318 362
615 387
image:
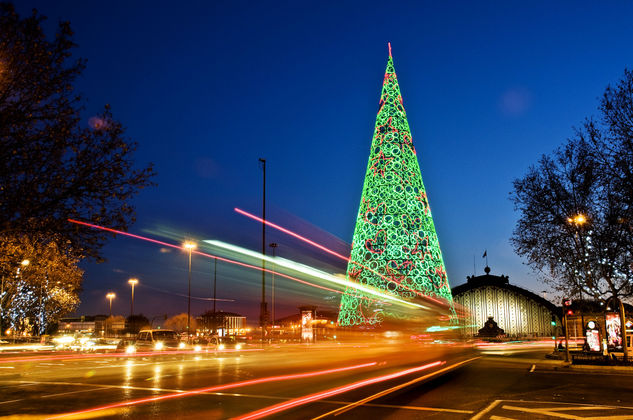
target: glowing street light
110 296
24 263
189 246
133 282
578 219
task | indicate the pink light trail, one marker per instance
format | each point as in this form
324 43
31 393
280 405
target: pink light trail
273 409
291 233
204 254
336 254
216 388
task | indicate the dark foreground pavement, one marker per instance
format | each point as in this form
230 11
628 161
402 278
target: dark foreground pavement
519 386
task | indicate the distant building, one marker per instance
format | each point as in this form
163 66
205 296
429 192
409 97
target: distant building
93 324
292 328
519 312
224 323
586 310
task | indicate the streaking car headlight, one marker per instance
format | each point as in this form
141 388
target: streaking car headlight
221 347
197 347
181 345
130 349
159 345
66 339
238 346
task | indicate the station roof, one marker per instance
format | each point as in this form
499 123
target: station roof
502 282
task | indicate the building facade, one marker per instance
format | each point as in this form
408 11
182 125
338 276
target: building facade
519 312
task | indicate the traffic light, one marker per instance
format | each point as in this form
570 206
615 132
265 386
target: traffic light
553 322
570 312
566 302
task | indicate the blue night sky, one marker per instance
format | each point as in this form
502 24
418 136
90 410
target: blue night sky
206 88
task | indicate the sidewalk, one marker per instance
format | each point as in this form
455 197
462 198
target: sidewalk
562 365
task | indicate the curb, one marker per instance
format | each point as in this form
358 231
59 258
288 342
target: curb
565 365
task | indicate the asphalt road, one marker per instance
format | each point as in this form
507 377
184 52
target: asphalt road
346 381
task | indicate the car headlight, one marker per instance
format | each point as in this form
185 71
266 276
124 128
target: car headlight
159 345
238 346
130 349
181 345
221 347
197 347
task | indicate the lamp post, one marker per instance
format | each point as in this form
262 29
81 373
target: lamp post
215 279
578 221
262 310
110 296
133 282
189 246
274 246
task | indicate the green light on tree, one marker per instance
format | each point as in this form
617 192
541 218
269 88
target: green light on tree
395 247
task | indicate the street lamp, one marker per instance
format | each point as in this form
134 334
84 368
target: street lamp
262 310
215 282
133 282
578 219
274 246
189 246
110 296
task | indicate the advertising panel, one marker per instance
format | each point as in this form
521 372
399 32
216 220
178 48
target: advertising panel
306 326
593 340
614 331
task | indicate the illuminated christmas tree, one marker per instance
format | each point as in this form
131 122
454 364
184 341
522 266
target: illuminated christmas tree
395 247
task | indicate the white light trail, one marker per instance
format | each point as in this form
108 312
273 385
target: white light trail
310 271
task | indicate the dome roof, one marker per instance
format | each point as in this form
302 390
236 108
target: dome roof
503 282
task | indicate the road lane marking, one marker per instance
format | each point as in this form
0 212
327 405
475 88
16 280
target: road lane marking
333 402
555 410
134 388
543 411
71 392
532 368
10 401
567 404
413 407
486 410
306 399
219 387
393 389
54 395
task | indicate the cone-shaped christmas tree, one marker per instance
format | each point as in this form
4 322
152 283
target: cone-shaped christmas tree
395 246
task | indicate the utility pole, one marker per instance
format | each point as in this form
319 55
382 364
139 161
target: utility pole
215 279
623 329
189 246
274 247
262 311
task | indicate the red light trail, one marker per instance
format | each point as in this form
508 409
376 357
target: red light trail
215 389
144 238
273 409
336 254
291 233
117 355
